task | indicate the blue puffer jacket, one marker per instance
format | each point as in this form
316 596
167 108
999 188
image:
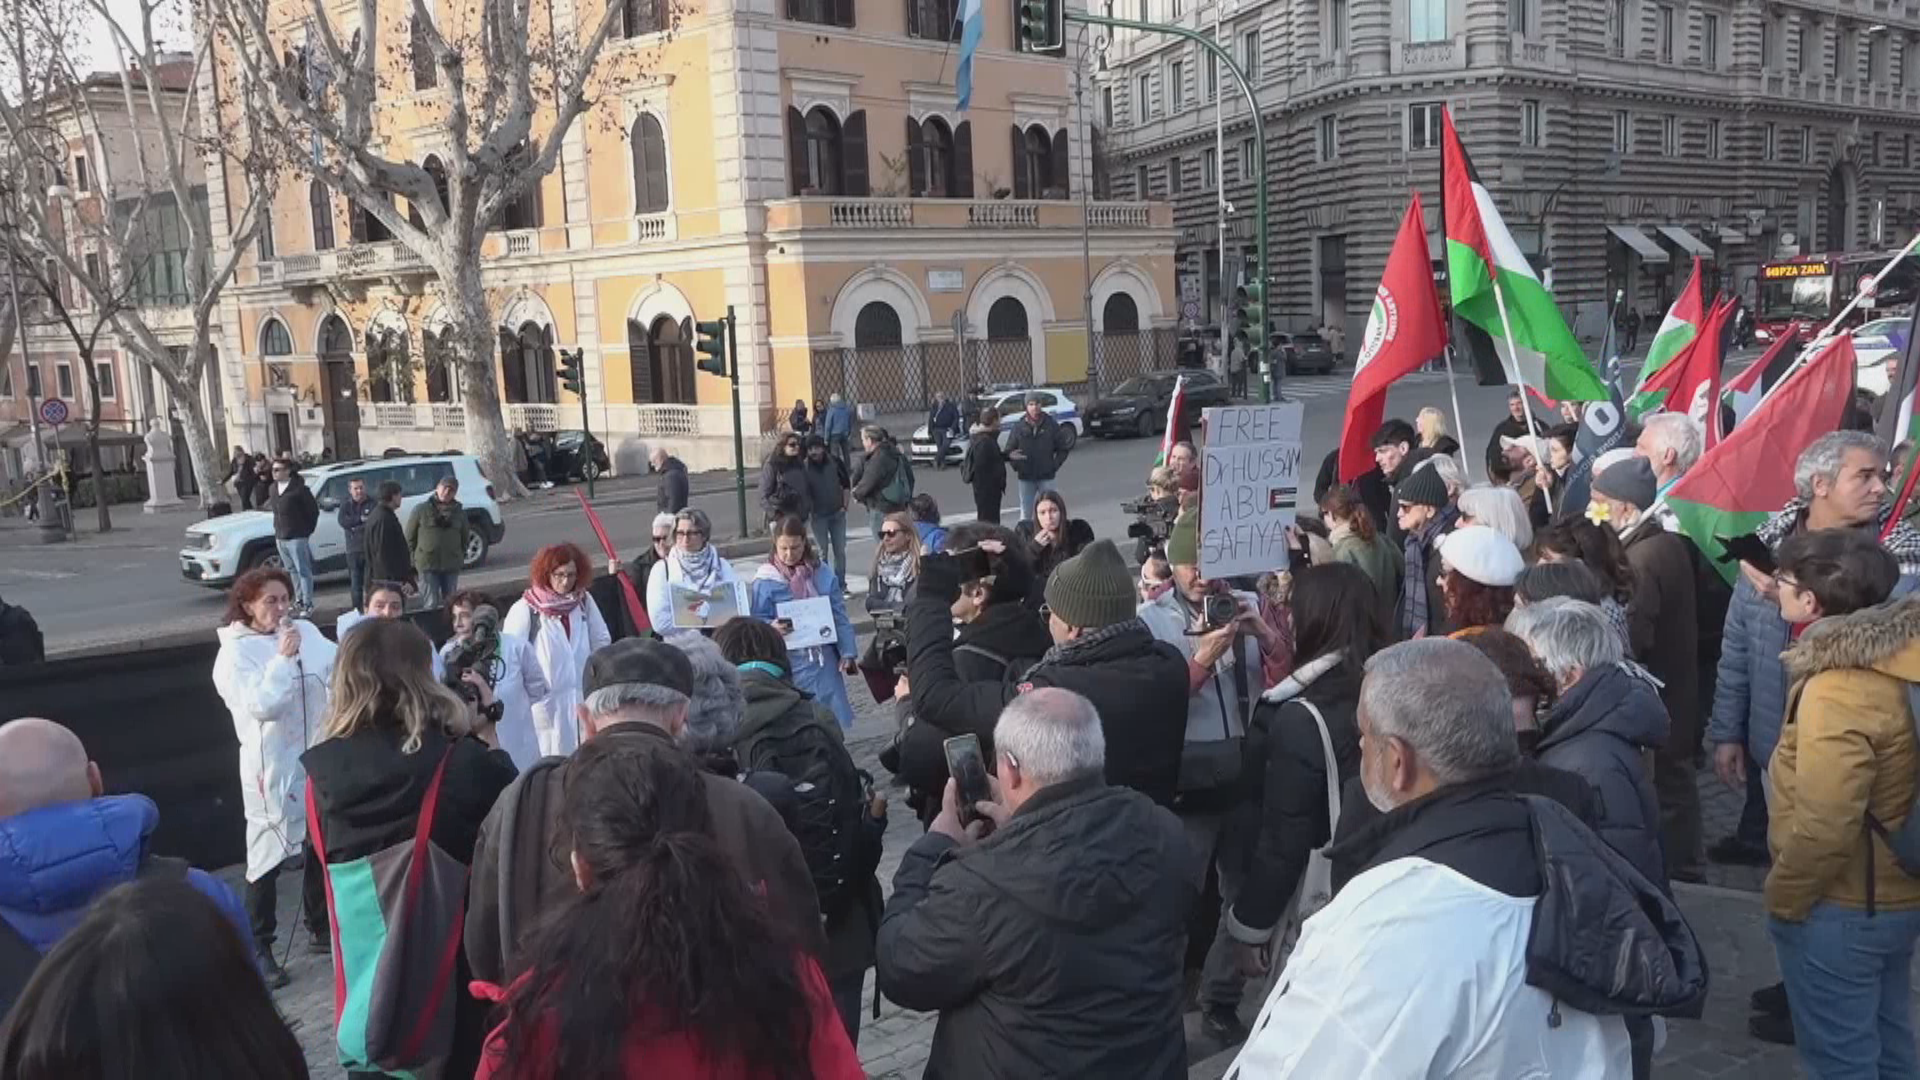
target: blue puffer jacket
56 860
1597 731
1750 691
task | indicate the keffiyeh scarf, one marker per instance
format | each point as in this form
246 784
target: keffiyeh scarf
1903 543
699 569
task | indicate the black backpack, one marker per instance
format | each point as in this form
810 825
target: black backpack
20 638
18 957
829 800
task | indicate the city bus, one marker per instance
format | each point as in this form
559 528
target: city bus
1814 288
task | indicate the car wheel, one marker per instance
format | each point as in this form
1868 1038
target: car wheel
476 552
590 471
1145 425
1073 435
265 557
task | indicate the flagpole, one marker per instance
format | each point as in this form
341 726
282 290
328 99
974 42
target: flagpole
1520 380
1861 294
1459 425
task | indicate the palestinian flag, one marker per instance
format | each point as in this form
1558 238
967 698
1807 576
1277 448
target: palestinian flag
1486 270
1895 423
1748 477
1677 331
1404 331
1748 387
1175 431
1692 378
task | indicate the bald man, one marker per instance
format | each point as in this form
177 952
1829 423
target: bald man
63 843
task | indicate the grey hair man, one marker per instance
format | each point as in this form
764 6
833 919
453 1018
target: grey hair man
673 491
1418 966
639 694
1671 443
972 930
1604 720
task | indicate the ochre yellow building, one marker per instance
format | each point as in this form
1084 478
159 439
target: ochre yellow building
799 160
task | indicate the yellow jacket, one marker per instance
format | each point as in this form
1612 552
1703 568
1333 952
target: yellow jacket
1847 749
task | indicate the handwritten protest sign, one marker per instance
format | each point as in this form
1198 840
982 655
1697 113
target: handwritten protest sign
1249 479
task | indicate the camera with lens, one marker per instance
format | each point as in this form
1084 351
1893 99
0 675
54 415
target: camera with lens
479 652
1152 523
890 640
1218 610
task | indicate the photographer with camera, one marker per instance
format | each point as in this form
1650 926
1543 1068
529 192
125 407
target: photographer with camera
394 742
1154 515
1101 650
505 661
996 638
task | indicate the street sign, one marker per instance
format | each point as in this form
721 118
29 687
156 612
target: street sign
1191 310
54 411
1867 286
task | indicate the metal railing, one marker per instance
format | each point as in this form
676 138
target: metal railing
904 378
1118 357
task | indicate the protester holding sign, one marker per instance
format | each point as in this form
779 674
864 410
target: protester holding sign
796 575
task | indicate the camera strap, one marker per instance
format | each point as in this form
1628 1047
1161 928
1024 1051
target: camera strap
1241 688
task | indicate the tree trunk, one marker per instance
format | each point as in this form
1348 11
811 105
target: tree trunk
208 471
486 427
102 519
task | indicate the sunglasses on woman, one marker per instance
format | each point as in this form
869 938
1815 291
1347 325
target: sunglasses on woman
889 533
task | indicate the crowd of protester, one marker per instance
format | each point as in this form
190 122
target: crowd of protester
1417 803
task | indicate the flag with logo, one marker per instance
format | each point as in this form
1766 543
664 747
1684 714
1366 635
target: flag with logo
1677 331
1404 331
1486 271
1175 431
1745 479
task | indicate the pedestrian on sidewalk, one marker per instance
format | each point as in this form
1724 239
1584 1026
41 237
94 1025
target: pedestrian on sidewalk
829 490
883 481
657 956
150 983
1842 910
1038 450
797 421
557 617
437 536
352 517
944 424
64 843
837 428
295 515
972 929
273 672
984 467
389 556
399 753
671 494
795 572
783 483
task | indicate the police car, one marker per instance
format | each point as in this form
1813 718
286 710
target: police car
1009 402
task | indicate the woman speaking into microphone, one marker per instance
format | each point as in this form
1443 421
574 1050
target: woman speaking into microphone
272 672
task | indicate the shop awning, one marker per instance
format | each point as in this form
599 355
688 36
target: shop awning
1642 244
1686 241
1732 236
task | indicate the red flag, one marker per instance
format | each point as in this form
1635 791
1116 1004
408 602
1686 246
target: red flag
1749 475
1692 378
635 609
1403 332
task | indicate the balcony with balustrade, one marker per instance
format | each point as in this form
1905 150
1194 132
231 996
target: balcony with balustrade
1051 217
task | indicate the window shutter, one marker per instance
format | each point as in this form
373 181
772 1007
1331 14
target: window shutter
913 18
1020 164
843 13
963 161
358 224
853 154
512 369
658 193
1062 164
796 151
916 159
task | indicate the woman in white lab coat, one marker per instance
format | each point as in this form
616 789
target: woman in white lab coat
693 563
518 681
563 625
272 672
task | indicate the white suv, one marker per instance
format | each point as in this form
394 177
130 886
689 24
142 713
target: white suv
220 549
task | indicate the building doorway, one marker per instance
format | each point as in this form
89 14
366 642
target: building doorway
342 411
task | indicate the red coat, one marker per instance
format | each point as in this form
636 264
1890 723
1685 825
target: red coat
830 1053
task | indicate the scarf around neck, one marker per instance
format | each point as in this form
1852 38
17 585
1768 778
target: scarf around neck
700 569
798 579
895 570
553 605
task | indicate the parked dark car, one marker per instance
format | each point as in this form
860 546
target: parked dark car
1304 353
568 460
1139 405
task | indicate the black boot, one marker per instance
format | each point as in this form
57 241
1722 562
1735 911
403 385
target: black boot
270 969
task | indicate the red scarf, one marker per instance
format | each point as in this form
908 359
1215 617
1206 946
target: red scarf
554 605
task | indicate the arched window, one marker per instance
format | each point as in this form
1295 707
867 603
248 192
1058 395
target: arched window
443 377
1006 319
523 212
1120 315
389 365
320 205
823 151
1033 163
649 165
663 363
335 338
877 326
527 363
274 339
826 156
932 173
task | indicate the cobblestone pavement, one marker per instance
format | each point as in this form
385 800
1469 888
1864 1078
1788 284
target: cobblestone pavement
1725 914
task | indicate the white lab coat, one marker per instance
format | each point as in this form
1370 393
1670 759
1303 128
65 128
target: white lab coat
522 685
1415 970
560 649
278 706
660 597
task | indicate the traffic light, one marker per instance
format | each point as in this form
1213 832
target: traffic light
711 344
1250 322
1043 27
573 374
